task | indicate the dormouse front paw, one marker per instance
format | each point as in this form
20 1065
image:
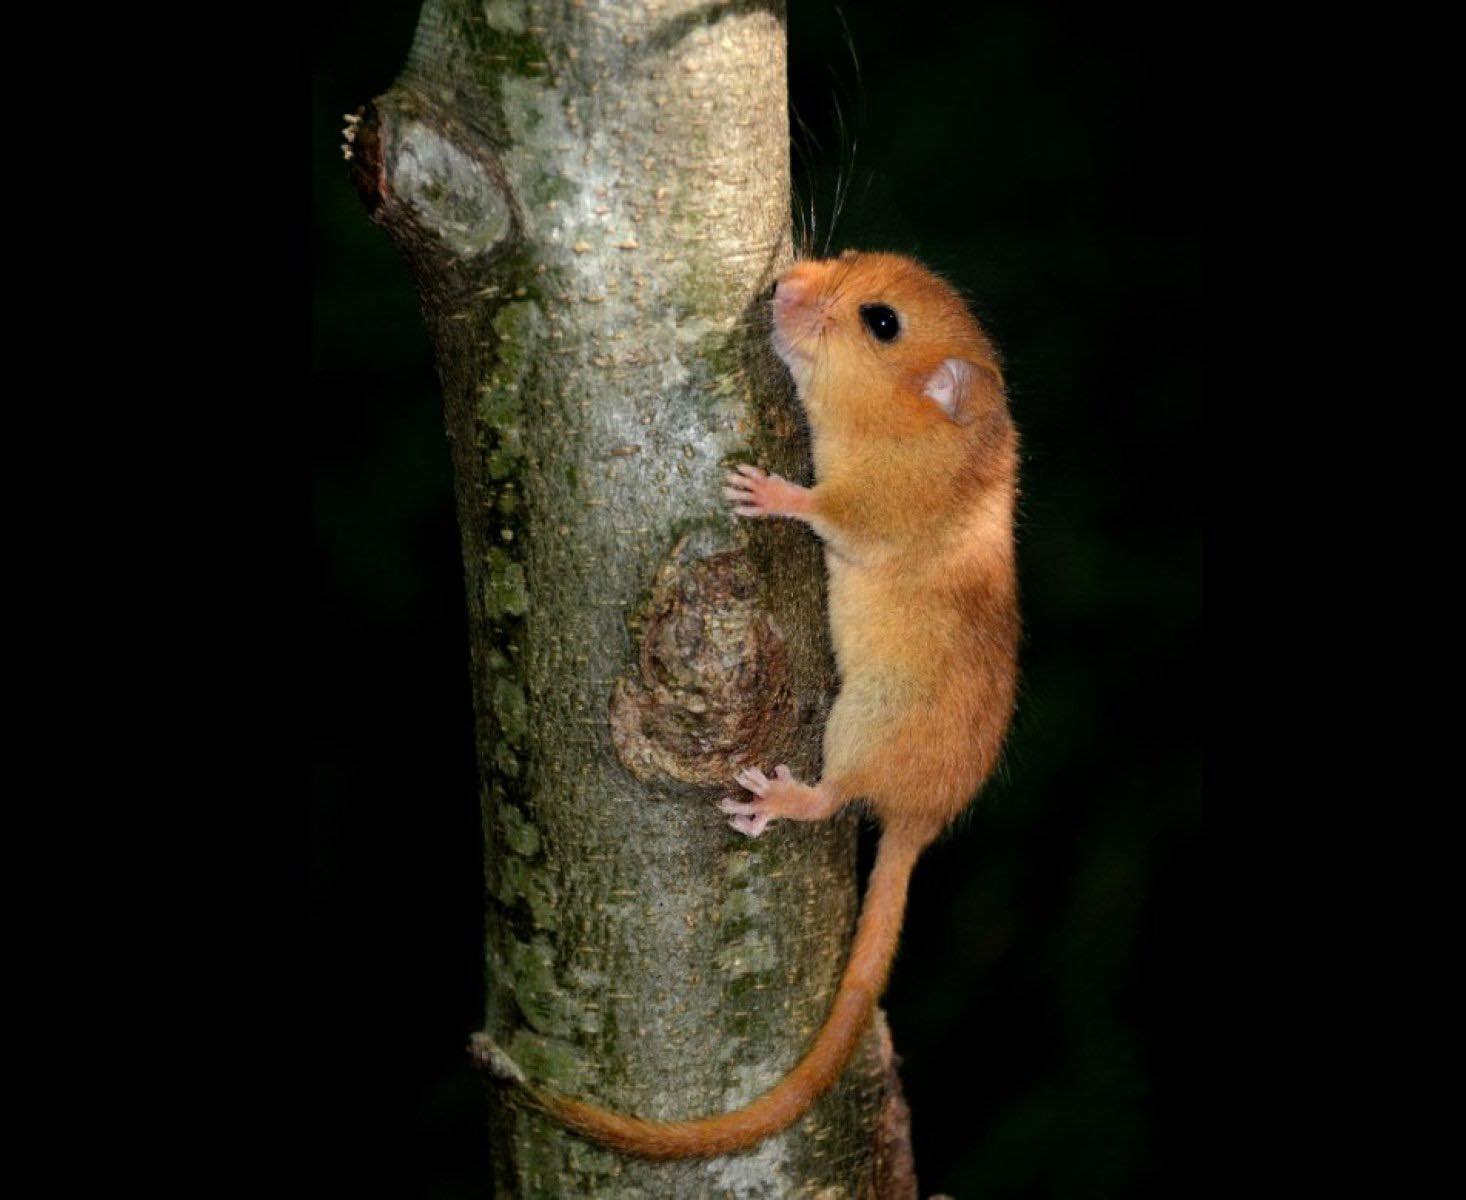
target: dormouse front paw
754 493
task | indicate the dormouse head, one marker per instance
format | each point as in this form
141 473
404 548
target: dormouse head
879 341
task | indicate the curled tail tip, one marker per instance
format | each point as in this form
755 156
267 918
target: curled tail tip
493 1061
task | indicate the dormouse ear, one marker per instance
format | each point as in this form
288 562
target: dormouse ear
955 386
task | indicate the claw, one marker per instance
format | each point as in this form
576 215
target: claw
749 826
754 780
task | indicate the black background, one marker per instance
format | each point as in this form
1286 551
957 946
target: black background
1051 163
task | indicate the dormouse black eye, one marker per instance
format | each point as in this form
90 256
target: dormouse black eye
881 320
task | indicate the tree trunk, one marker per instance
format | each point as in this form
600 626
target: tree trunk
593 199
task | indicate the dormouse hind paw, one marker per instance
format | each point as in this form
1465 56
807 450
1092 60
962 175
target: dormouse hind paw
778 798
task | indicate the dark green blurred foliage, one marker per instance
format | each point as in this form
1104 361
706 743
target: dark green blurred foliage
1050 164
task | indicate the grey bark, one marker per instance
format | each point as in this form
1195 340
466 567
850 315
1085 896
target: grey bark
593 198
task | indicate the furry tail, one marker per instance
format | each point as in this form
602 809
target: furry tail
860 987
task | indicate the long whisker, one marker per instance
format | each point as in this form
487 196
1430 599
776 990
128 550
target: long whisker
839 175
842 190
804 239
849 142
850 45
808 229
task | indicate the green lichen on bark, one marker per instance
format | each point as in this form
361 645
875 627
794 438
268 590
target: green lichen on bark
592 199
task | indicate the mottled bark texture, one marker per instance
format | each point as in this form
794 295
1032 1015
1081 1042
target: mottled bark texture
593 199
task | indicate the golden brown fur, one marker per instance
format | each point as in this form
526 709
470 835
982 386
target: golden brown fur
916 467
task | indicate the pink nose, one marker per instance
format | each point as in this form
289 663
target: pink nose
789 292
